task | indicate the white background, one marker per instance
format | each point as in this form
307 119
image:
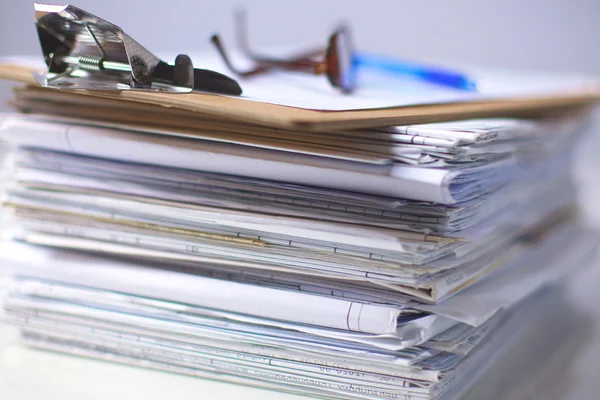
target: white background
533 34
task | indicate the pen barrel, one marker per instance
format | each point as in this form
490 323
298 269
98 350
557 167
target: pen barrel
447 78
439 76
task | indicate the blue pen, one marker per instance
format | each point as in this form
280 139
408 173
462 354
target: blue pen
434 75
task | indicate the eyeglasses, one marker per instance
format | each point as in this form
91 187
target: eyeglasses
340 63
337 63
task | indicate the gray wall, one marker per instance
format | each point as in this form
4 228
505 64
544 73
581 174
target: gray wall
535 34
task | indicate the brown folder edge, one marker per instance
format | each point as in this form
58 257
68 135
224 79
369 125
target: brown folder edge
236 108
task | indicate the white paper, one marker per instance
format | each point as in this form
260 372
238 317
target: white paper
271 303
547 264
38 169
394 180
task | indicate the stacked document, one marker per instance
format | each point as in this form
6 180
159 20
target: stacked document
366 261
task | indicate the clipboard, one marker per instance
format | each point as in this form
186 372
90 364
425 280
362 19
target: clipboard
294 118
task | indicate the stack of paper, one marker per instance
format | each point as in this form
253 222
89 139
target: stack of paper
312 252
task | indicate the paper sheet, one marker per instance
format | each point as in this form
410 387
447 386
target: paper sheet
290 306
395 181
506 289
541 313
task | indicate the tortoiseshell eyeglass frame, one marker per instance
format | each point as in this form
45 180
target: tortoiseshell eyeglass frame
337 62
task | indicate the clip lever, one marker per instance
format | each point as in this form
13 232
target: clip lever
83 51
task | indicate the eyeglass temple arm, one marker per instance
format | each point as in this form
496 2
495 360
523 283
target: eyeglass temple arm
216 41
268 64
241 30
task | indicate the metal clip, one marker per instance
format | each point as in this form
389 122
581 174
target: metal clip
83 51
